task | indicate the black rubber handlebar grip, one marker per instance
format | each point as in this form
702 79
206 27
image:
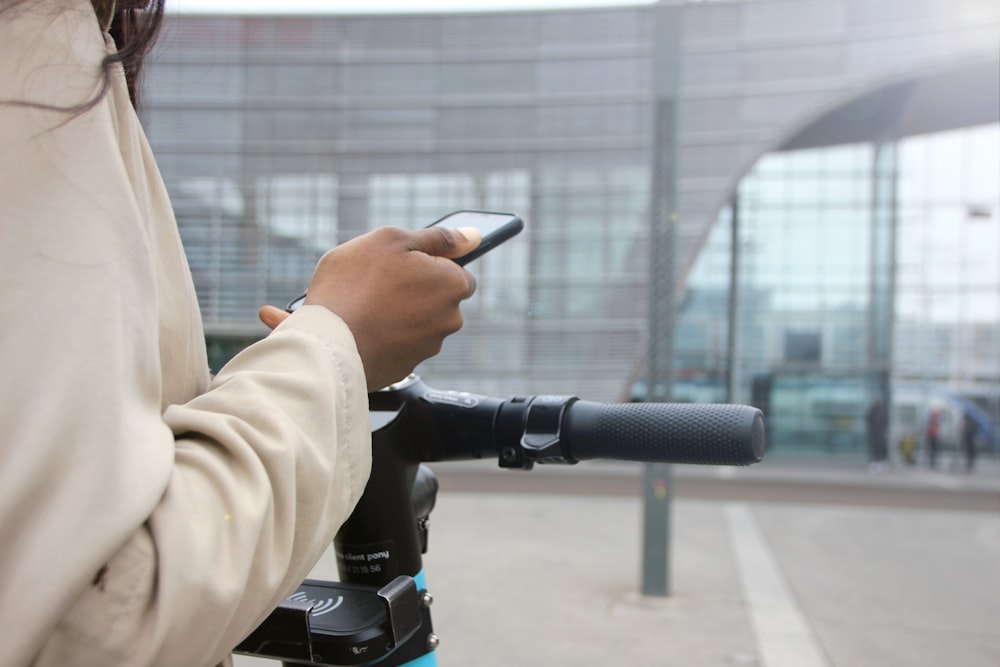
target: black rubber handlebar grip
707 434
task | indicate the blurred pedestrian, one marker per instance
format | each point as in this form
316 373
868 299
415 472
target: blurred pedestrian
932 435
969 430
878 449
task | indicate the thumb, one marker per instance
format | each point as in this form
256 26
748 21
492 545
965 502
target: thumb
272 316
445 241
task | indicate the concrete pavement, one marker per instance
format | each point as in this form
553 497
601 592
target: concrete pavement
537 578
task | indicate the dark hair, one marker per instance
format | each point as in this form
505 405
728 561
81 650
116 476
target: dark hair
134 28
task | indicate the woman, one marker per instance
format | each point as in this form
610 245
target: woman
148 515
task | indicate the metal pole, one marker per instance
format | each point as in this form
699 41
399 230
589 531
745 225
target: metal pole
657 490
881 307
732 335
657 497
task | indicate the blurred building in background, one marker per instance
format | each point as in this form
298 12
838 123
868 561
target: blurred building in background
831 168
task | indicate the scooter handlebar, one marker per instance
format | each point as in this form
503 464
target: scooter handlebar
524 430
707 434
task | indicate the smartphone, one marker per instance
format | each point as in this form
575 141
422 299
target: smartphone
496 228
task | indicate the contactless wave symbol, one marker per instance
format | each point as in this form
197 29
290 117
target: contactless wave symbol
318 607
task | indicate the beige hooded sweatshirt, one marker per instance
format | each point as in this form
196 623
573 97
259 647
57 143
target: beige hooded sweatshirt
148 516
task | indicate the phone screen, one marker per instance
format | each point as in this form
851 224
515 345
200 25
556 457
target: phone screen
485 221
496 228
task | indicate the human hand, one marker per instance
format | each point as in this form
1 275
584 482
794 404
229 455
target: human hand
399 293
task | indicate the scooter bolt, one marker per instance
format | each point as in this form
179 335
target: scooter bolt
433 641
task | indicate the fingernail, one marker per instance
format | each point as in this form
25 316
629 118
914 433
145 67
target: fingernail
471 233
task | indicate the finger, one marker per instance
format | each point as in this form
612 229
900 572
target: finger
271 316
446 242
472 285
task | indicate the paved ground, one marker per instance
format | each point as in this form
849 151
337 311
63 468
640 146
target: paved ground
789 564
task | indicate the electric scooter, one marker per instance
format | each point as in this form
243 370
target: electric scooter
379 613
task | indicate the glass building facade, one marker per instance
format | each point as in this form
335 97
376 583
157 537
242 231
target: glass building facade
844 292
279 137
860 268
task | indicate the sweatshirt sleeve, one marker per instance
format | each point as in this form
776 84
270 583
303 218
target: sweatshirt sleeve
269 463
146 518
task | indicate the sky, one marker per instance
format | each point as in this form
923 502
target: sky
377 6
